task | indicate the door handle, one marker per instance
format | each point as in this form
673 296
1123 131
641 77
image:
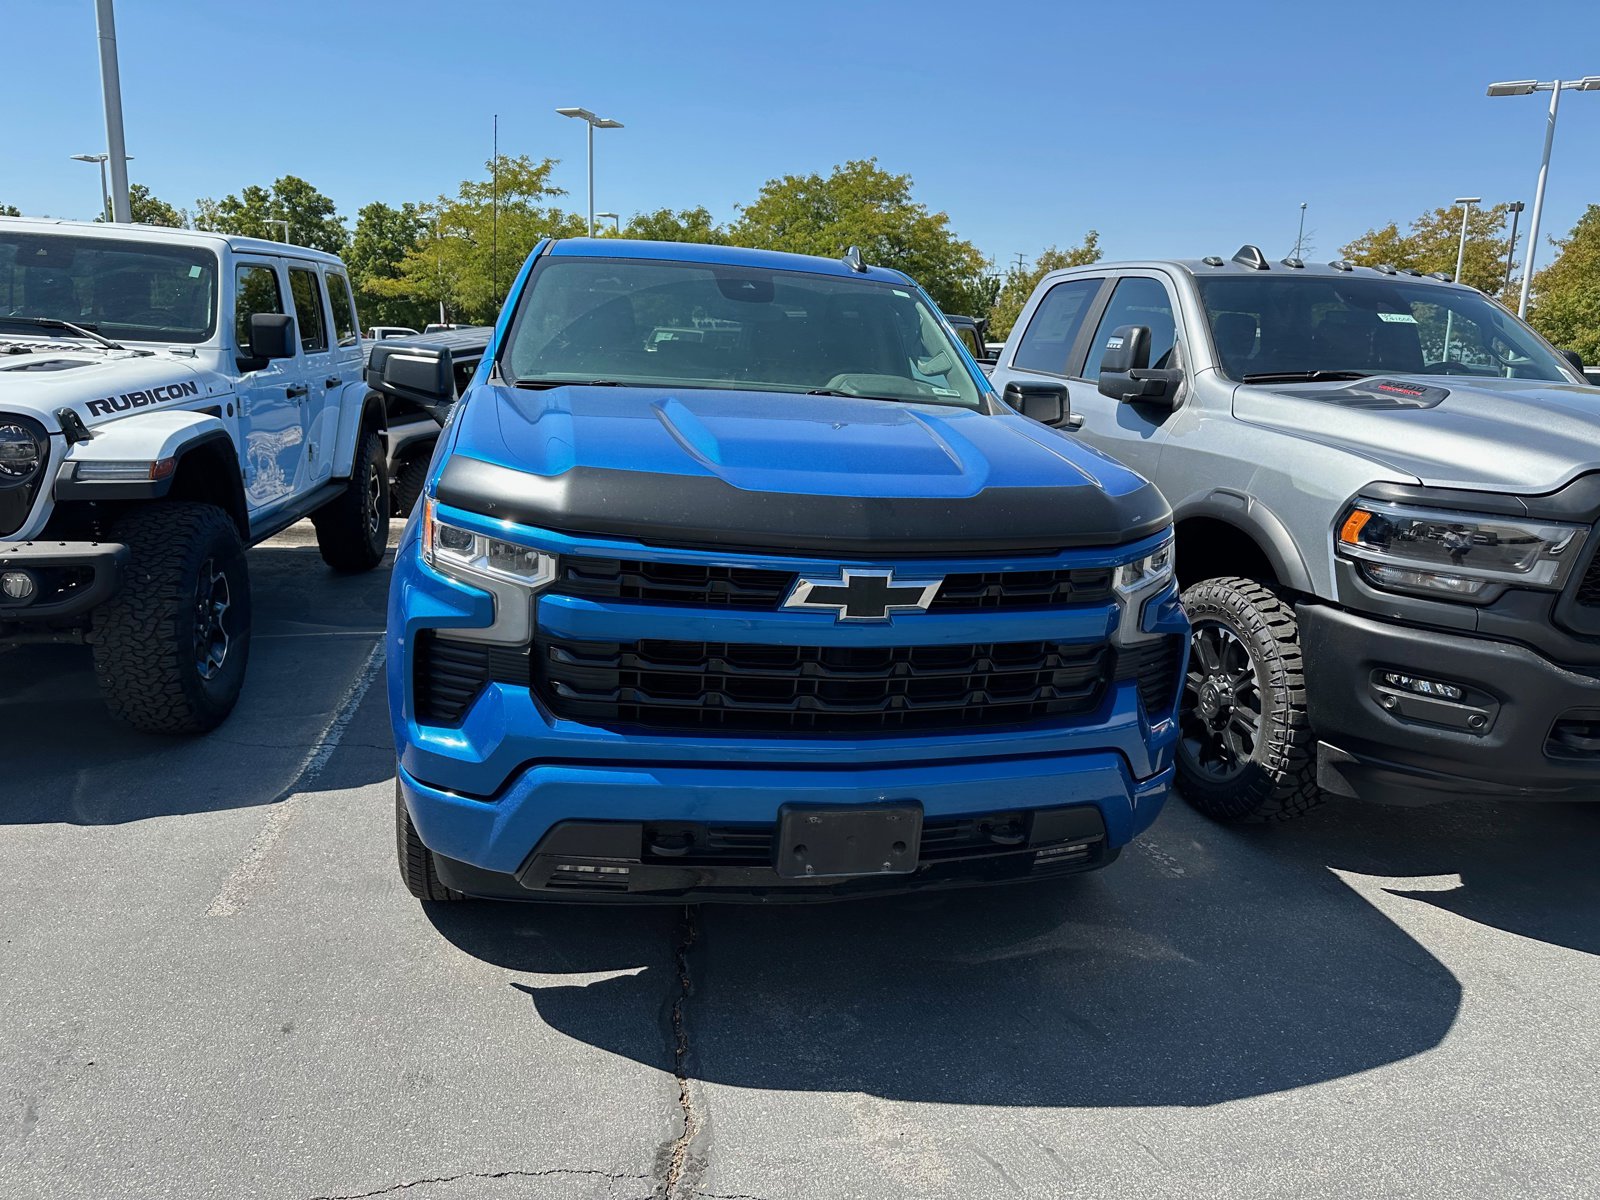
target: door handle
332 381
296 391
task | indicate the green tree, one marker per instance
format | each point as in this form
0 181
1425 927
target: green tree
384 236
1566 294
256 211
467 256
1432 241
149 209
860 204
685 225
1018 285
10 210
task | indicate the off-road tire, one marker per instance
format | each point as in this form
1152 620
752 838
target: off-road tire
416 860
353 527
1279 780
147 637
408 483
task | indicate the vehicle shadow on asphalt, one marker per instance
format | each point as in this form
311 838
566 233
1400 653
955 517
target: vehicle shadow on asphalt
1215 965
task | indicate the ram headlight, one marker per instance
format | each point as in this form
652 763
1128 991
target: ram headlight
22 454
1148 572
1457 555
474 557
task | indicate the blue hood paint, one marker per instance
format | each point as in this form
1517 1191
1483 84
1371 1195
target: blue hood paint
777 442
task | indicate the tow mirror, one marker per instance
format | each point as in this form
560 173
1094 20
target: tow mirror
1046 403
423 375
1126 374
1576 359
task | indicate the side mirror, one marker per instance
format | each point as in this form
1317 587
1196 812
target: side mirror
1576 359
423 375
271 336
1125 372
1046 403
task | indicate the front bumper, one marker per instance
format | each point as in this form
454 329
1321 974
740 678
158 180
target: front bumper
1524 729
69 578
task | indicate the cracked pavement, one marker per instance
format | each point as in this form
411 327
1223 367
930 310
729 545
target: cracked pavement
1369 1002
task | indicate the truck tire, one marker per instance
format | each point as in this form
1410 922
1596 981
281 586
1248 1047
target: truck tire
170 647
408 483
416 860
1246 751
353 527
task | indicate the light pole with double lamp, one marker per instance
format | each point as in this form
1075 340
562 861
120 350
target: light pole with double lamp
1526 87
594 122
105 195
1466 203
616 221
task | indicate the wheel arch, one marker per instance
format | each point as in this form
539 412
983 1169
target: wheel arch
1229 533
208 472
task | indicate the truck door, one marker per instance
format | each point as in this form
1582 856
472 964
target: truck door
270 399
319 417
1131 433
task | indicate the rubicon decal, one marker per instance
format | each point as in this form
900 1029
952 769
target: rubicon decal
157 395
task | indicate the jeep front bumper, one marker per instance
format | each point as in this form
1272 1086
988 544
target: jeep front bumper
55 580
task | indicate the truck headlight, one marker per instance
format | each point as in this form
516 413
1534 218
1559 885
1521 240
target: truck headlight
475 557
1148 572
22 454
1458 555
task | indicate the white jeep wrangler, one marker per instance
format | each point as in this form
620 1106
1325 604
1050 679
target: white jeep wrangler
168 398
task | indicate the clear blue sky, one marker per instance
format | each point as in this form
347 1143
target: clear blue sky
1173 127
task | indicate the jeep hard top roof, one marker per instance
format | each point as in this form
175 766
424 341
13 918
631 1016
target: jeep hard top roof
165 236
721 256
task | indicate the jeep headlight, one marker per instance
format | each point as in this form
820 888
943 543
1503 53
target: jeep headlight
476 557
1148 572
1456 555
22 454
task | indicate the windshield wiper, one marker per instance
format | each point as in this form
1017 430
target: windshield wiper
538 385
865 396
80 330
1304 376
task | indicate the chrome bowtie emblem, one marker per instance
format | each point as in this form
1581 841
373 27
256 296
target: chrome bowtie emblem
863 595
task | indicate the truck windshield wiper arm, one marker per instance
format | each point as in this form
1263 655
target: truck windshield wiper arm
1304 376
865 396
538 385
57 323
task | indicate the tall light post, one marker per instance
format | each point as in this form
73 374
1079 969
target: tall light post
111 92
1466 203
1300 238
594 122
616 221
278 221
1526 87
1516 207
105 196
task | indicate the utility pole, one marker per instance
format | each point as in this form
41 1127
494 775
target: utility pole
1511 251
1022 263
111 90
494 218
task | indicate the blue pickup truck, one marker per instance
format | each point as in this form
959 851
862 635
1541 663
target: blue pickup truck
733 578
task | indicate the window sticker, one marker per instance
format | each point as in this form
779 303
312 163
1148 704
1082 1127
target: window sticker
1397 318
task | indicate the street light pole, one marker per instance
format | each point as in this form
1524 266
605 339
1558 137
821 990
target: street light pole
111 90
105 195
614 218
1526 87
1511 251
1299 240
1466 203
594 122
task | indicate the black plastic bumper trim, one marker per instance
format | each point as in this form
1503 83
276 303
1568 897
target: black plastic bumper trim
105 559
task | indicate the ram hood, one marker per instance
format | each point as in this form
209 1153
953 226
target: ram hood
695 467
1507 435
100 385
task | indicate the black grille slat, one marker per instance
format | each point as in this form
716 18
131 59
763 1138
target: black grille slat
818 689
1154 664
1588 594
450 672
699 585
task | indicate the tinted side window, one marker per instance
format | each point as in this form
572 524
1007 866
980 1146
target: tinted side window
308 309
464 369
255 291
1049 337
1137 301
344 309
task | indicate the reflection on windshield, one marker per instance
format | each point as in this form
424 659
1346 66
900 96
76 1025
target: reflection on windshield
691 325
1288 326
126 290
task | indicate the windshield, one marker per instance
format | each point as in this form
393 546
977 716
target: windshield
125 290
665 324
1275 326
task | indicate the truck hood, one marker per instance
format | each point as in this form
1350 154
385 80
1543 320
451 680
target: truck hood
723 467
1507 435
100 385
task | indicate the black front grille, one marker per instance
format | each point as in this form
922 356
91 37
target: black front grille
697 585
449 674
1155 665
818 689
1588 594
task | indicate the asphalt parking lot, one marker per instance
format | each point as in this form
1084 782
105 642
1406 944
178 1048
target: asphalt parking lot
213 985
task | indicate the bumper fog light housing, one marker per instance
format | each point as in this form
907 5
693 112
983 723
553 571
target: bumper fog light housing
18 585
1419 686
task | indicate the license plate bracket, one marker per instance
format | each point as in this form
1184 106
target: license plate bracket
830 843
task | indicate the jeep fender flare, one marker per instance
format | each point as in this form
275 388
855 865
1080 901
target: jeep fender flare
359 409
152 438
1254 520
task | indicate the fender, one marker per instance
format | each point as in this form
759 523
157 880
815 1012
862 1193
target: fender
359 408
150 442
1260 524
